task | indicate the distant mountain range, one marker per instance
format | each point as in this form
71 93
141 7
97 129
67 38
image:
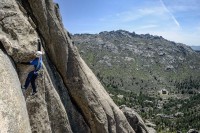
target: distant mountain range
196 48
140 63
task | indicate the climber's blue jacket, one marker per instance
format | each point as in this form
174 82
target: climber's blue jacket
37 62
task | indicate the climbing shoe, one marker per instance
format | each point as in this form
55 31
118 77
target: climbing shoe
23 90
33 93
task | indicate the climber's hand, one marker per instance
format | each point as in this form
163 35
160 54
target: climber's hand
38 40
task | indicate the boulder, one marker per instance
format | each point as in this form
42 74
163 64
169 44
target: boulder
193 131
134 119
149 124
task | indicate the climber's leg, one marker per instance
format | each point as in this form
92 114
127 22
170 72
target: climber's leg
28 80
33 82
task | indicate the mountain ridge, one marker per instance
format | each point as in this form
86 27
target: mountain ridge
147 54
196 48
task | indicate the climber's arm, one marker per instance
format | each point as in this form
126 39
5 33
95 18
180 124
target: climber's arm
33 62
39 45
25 63
28 63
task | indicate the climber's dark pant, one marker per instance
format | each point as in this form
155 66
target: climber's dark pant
31 78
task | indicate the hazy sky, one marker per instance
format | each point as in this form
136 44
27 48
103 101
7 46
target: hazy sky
175 20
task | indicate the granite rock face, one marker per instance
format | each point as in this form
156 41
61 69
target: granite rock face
134 119
70 98
13 112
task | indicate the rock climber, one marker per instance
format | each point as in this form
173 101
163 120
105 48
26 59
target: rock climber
37 63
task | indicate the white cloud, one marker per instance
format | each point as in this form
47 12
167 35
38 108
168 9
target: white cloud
172 16
182 5
178 36
102 19
155 20
128 16
182 8
198 28
158 14
132 15
152 10
176 22
147 26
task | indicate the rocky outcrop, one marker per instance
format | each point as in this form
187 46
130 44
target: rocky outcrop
193 131
13 113
135 120
70 98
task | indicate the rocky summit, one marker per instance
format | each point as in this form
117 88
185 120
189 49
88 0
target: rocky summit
70 99
141 63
